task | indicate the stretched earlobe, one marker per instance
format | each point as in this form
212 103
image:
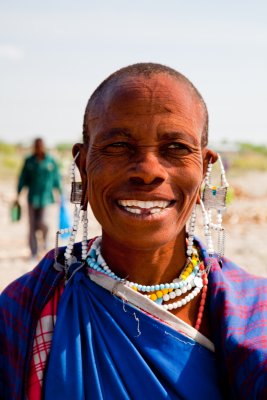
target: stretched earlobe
209 156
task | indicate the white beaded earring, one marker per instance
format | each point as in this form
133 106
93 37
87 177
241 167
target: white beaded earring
191 232
75 198
214 201
85 233
68 252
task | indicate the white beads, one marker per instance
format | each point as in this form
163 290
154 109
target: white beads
182 302
65 230
191 232
84 239
162 293
72 168
172 295
73 234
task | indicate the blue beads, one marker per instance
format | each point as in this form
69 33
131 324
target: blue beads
96 261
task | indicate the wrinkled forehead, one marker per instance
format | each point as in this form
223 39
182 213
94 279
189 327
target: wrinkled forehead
158 93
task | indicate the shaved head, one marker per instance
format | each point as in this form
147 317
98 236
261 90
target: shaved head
146 70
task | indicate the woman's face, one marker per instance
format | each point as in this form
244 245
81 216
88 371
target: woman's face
145 161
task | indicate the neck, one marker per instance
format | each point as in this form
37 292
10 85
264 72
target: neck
146 267
40 156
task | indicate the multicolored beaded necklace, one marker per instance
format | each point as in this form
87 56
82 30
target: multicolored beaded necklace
193 279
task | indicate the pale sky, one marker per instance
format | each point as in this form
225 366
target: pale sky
54 53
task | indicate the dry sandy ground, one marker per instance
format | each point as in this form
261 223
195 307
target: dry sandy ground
245 222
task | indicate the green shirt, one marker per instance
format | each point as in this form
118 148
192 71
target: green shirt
41 177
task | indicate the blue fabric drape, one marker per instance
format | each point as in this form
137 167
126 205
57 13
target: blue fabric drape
105 349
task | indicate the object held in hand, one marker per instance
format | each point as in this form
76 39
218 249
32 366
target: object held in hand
15 212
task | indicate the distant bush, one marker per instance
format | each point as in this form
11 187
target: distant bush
6 148
250 161
63 147
255 148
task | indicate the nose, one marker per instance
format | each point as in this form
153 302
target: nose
147 168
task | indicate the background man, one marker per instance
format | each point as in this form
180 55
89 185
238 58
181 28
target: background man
40 174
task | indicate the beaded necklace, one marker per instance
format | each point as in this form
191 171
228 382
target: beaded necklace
193 279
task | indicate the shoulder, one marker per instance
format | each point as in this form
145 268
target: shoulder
29 159
238 282
21 304
226 276
36 287
31 290
238 314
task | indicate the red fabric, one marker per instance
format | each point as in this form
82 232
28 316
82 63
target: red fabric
42 345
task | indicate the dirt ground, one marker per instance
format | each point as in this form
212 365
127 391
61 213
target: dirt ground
245 223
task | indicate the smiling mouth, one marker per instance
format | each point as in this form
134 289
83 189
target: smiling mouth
140 207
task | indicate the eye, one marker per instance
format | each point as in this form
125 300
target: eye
118 148
176 149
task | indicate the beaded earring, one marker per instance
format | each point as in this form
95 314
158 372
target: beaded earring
214 202
191 232
75 198
76 187
85 234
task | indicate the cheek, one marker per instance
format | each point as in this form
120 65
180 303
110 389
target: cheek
189 174
102 177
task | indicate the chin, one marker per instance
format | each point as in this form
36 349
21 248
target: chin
137 240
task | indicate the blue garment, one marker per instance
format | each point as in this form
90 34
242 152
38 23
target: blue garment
104 349
236 307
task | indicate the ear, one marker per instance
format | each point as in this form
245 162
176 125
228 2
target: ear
207 156
81 150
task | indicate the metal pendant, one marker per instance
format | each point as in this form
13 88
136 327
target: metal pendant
215 198
76 192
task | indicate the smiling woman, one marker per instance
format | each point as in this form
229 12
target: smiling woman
142 132
144 305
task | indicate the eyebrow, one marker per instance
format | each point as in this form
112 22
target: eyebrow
124 133
116 132
179 135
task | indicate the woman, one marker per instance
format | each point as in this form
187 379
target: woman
144 310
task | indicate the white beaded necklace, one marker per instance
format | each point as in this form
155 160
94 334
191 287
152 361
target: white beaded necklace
192 279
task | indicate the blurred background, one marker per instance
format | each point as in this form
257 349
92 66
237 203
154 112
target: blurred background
54 54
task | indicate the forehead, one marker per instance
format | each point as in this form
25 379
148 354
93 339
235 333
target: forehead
38 142
134 96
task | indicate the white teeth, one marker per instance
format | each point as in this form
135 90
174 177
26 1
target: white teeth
133 210
144 204
155 210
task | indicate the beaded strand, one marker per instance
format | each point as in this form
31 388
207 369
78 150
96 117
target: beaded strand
193 279
202 301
